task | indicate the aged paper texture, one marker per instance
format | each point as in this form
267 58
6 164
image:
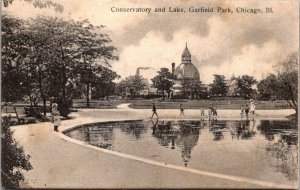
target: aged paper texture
149 94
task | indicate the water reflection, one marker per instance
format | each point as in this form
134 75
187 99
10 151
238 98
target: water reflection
243 129
99 136
217 128
282 147
183 134
135 129
279 139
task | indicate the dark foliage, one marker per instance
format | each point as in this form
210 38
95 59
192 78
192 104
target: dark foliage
64 105
14 158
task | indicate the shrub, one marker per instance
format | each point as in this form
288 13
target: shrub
64 105
14 158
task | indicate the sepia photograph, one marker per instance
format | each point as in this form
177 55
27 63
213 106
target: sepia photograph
156 94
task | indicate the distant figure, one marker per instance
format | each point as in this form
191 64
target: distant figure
242 110
209 112
55 117
202 111
181 110
173 143
213 111
154 111
247 110
252 107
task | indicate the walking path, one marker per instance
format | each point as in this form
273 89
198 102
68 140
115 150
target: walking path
61 162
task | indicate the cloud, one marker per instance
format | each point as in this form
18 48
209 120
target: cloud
219 43
216 53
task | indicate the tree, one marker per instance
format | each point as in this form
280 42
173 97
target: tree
13 158
48 56
244 86
284 84
219 87
163 81
104 85
192 88
94 55
39 4
14 81
266 86
288 81
132 84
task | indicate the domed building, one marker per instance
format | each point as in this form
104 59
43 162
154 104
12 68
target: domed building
186 71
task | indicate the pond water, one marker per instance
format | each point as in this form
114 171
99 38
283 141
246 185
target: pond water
258 149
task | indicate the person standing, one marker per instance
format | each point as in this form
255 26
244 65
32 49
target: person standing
202 111
154 110
209 112
242 110
247 110
55 116
252 107
181 110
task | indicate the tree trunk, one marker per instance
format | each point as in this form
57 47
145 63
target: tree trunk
88 95
163 92
44 106
31 102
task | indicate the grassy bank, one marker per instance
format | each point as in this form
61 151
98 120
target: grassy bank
220 104
174 104
187 104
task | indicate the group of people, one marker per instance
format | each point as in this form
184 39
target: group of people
248 108
212 111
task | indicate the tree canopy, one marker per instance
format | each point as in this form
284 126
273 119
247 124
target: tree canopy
219 87
245 86
39 4
163 81
132 84
283 84
51 57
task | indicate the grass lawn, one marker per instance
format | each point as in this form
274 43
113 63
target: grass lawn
187 104
174 104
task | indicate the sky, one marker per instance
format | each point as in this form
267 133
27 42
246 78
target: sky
227 44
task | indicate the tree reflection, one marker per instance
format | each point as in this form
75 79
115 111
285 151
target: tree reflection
243 129
217 128
135 129
282 146
102 137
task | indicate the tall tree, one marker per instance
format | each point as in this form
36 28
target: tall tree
266 87
163 81
49 55
192 88
14 78
245 86
104 84
95 52
132 84
219 87
284 84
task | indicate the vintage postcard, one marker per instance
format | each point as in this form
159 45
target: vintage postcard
149 94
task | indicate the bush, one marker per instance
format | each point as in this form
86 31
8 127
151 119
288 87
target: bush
64 105
14 158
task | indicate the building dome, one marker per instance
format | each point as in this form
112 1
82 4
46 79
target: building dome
187 71
186 52
186 56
